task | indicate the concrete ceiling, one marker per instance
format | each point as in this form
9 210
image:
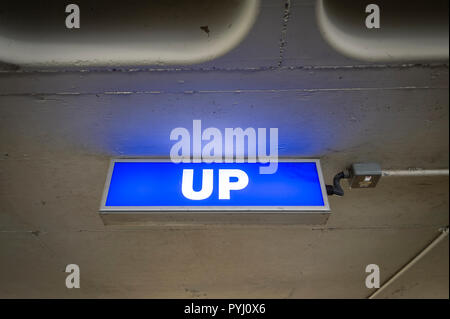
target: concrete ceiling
59 128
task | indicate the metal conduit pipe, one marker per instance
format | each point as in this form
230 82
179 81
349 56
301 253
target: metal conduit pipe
412 262
416 172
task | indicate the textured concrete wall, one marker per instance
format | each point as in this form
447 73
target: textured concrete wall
58 130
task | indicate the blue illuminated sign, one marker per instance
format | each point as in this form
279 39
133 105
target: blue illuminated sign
158 185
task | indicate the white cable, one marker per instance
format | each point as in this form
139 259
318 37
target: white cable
413 261
416 172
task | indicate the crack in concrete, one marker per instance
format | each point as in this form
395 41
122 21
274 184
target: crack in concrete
283 37
312 90
237 69
191 227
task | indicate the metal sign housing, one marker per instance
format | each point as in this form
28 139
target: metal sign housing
143 190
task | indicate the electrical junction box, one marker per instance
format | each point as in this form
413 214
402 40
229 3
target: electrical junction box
364 175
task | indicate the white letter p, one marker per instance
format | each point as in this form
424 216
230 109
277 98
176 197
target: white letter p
225 186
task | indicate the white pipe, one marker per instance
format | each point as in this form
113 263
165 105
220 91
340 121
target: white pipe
413 261
416 172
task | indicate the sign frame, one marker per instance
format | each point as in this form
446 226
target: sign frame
211 209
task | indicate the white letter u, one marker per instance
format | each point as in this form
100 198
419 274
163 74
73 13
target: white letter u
187 184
